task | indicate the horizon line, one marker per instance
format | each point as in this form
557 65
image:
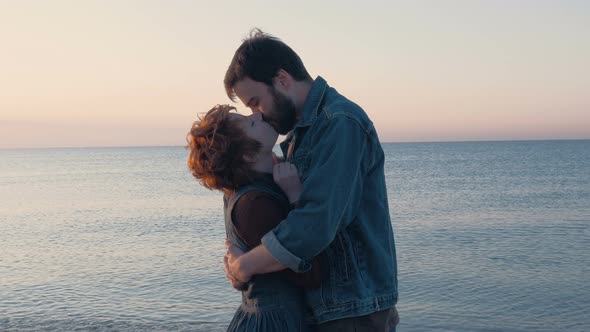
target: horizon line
385 142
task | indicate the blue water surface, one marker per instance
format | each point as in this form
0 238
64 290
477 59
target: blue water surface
491 236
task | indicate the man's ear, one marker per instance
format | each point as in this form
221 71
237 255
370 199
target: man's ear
282 80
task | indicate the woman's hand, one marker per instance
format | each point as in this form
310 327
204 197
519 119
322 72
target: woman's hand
286 176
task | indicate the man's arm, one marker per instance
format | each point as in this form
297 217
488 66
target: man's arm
255 214
242 266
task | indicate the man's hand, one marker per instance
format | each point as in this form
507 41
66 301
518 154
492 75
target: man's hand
231 267
286 176
238 285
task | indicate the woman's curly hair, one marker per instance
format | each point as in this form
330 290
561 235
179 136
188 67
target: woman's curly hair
219 151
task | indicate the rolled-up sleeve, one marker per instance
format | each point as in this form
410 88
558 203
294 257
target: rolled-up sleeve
331 194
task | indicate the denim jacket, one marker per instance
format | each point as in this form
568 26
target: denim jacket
342 214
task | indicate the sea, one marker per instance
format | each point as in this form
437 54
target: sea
490 236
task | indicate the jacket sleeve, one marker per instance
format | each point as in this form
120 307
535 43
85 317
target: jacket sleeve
330 197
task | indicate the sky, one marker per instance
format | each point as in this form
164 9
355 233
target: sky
137 73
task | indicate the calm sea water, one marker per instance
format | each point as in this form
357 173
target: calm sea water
491 236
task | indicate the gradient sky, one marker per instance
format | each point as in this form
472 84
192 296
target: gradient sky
136 73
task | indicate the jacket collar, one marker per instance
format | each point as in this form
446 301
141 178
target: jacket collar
312 102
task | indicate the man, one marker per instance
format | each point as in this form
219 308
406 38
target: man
342 214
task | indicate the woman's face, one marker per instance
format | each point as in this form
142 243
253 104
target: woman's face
257 129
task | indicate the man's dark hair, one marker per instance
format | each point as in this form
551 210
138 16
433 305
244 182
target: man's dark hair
259 58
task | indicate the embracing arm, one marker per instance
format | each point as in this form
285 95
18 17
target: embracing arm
254 215
256 261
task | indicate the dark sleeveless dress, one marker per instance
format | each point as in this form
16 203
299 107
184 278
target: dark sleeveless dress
270 302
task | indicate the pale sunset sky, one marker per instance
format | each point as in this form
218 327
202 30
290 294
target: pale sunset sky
136 73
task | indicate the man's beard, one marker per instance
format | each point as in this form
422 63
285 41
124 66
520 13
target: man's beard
283 115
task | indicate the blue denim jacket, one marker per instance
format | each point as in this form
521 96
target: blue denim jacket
342 213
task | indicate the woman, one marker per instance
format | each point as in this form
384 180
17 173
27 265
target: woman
233 153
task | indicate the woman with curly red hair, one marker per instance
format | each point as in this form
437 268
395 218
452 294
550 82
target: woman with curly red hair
232 153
